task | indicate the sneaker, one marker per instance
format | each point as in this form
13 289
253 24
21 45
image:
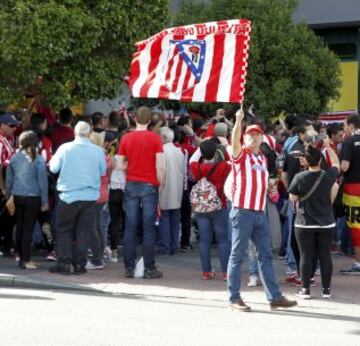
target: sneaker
291 277
304 293
91 266
152 274
113 257
253 281
326 293
297 282
129 273
240 306
60 269
28 265
51 256
335 249
353 270
186 248
17 257
224 276
282 303
208 275
107 253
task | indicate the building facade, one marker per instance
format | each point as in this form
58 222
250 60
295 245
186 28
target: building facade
338 23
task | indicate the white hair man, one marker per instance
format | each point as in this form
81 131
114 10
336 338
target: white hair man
80 165
171 194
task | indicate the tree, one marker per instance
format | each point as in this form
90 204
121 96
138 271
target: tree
71 50
290 68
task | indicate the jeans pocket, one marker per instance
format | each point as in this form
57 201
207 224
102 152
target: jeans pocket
149 189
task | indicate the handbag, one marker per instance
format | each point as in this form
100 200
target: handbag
313 188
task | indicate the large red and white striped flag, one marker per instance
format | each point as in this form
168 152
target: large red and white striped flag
198 63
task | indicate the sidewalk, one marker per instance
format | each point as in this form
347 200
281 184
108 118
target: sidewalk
181 280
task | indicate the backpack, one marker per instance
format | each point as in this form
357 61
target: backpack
203 196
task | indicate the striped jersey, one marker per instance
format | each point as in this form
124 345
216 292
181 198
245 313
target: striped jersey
248 181
6 151
270 141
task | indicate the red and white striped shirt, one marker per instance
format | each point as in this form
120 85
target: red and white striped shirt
270 141
327 157
249 181
6 151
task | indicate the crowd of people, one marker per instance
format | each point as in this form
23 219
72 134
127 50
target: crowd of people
256 189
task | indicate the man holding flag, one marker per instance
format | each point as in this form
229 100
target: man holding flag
248 217
208 63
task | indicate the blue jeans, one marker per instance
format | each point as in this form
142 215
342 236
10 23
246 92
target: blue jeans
140 203
345 238
96 238
106 223
210 223
251 255
248 224
290 259
169 231
252 260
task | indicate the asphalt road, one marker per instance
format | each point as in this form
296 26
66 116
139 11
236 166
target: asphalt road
31 317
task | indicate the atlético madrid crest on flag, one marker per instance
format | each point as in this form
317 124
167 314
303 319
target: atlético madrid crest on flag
195 63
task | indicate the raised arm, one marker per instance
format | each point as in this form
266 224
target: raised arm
333 157
236 134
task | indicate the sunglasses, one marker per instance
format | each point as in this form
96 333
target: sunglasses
12 126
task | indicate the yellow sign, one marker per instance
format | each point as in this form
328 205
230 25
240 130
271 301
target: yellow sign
349 90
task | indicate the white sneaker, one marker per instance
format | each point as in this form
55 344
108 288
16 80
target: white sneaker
91 266
107 251
253 281
113 258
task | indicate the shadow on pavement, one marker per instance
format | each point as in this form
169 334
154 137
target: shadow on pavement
24 297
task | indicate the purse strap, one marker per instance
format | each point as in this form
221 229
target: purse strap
314 187
211 171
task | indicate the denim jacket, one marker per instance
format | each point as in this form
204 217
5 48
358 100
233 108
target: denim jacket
27 178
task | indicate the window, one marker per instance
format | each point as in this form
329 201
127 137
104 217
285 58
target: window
344 50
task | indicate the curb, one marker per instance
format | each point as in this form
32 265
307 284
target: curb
13 281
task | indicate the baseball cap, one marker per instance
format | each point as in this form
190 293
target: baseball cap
9 119
254 128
